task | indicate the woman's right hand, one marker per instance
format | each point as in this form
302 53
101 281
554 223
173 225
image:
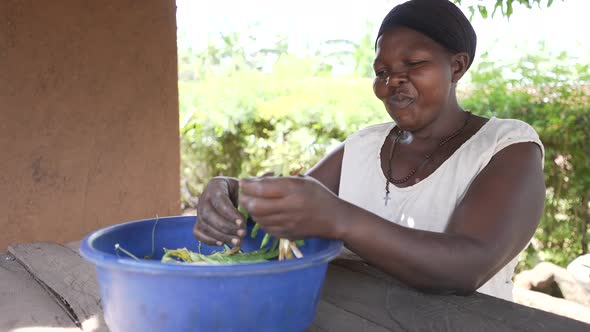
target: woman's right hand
219 221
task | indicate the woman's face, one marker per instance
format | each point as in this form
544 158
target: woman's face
414 77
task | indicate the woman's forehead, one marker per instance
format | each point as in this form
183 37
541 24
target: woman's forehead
404 40
440 20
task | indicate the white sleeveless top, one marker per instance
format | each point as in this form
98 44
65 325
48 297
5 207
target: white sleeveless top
428 205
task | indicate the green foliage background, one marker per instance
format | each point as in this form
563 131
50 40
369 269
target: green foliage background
504 7
243 113
552 94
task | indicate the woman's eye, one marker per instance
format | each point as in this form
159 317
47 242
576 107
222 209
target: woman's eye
414 63
382 74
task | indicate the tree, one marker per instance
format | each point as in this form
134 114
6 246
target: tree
505 6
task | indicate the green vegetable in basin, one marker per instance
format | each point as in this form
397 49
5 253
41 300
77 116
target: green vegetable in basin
280 248
184 255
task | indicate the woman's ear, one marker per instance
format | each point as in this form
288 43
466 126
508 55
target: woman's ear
459 64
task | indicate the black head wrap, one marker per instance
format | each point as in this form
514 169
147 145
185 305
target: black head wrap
440 20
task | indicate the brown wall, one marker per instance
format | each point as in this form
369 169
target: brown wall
88 116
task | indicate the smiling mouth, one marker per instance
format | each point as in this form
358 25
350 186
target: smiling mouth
399 101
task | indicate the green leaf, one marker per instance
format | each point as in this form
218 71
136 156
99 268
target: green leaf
184 255
274 245
471 12
483 11
496 6
243 212
254 231
265 240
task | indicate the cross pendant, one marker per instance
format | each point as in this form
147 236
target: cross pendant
386 198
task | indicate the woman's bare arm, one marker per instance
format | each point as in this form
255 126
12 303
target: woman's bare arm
492 224
494 221
327 171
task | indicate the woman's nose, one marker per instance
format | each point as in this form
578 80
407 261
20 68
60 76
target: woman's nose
395 79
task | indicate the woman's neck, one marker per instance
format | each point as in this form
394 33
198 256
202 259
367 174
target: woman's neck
449 119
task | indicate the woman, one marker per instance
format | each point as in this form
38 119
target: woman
441 199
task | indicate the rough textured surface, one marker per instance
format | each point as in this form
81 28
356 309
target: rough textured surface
76 289
370 295
23 302
356 298
88 117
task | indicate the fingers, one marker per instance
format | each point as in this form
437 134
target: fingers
219 221
212 236
267 187
232 220
226 227
216 226
283 220
277 232
260 207
282 233
209 229
201 236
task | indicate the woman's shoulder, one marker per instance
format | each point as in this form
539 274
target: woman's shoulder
512 126
376 131
506 132
512 129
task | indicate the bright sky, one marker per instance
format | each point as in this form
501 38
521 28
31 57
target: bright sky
309 22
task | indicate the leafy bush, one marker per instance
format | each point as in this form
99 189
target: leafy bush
247 122
244 122
551 94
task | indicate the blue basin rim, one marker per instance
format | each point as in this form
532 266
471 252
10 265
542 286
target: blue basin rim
112 261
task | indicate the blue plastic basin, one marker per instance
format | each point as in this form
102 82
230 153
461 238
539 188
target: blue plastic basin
147 295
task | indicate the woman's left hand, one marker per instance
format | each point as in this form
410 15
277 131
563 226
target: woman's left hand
292 207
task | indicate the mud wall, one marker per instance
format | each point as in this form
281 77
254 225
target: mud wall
88 116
